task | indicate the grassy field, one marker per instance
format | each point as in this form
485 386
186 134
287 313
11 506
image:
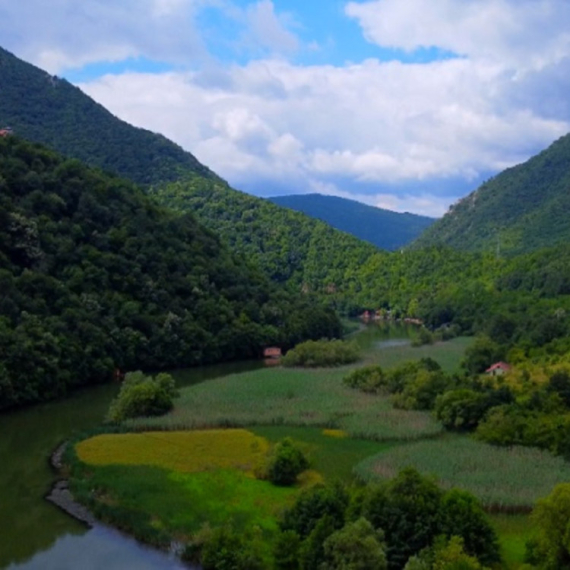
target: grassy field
502 478
185 452
183 479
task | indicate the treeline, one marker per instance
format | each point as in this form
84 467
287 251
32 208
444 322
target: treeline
94 277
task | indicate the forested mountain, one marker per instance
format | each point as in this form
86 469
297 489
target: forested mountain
49 110
95 276
289 246
305 254
521 209
382 228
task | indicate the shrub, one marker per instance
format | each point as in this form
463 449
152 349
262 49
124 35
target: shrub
231 550
461 409
313 353
142 395
368 379
287 462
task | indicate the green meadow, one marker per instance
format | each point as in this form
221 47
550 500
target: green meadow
348 435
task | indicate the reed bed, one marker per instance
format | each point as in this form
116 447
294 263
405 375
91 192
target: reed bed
504 479
291 397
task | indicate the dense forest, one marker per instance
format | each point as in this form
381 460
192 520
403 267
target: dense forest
94 276
521 209
383 228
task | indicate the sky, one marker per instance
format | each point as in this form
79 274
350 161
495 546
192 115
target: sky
403 104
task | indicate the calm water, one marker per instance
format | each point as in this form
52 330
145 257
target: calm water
36 535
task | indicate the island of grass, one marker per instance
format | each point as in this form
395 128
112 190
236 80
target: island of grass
171 479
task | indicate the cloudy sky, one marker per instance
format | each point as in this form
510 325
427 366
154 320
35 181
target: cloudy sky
403 104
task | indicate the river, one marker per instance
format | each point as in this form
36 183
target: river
35 534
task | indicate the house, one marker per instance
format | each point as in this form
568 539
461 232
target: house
273 352
5 132
498 369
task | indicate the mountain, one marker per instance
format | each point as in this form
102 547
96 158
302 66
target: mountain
290 247
49 110
95 276
382 228
522 209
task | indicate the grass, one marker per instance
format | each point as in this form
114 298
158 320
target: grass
513 531
295 397
504 479
332 455
186 452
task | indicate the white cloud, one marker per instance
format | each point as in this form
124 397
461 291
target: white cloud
359 129
521 33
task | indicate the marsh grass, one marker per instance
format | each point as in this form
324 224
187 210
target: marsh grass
506 480
292 397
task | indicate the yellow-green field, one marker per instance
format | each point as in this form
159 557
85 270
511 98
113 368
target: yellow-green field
185 451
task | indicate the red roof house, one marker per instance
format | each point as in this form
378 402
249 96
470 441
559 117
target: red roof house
498 368
272 352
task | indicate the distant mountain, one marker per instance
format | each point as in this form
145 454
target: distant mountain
290 247
522 209
383 228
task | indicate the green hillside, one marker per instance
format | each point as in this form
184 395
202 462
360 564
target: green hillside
288 246
291 248
49 110
382 228
95 276
521 209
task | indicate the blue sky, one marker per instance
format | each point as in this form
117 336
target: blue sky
407 105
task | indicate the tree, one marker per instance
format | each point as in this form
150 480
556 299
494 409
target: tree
551 515
356 546
287 462
142 395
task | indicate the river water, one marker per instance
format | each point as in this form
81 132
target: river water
36 535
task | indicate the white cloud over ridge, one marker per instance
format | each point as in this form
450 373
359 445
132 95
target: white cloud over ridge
383 132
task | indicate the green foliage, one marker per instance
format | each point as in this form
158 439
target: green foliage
95 277
318 353
521 209
359 219
286 550
551 549
480 355
228 549
368 379
286 463
142 395
356 546
60 115
461 409
313 505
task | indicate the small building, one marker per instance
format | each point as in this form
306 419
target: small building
272 352
498 369
6 132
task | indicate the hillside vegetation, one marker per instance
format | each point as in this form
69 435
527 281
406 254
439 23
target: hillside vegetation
383 228
49 110
95 276
521 209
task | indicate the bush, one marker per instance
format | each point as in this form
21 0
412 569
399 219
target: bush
368 379
142 395
228 549
461 409
286 463
313 353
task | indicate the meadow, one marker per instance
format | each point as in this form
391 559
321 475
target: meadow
197 464
493 474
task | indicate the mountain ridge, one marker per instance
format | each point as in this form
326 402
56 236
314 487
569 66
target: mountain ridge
358 219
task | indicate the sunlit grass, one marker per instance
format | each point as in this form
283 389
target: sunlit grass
502 478
186 452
